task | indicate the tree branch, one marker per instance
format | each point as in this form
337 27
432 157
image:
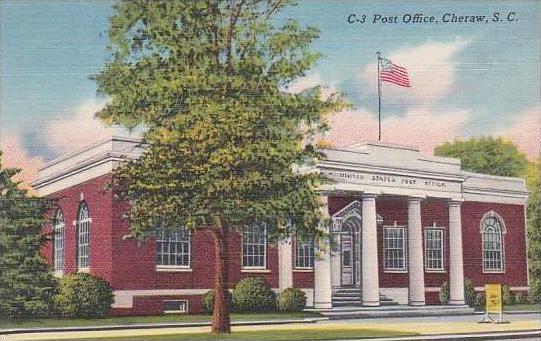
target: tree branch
233 18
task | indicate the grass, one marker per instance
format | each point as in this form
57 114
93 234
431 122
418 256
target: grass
271 335
533 307
130 320
523 307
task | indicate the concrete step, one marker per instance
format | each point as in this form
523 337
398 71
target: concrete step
351 312
344 297
351 290
347 293
351 294
359 303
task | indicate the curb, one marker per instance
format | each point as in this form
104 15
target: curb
153 326
513 312
509 335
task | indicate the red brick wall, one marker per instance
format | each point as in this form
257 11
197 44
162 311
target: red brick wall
154 305
130 265
436 211
391 210
514 243
302 278
99 205
134 265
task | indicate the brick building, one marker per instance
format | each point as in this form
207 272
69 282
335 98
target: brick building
404 224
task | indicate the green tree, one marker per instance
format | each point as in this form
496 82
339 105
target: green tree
487 155
534 229
26 282
225 143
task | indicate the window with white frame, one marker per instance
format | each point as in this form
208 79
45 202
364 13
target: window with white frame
58 230
83 231
254 247
394 248
434 249
492 244
175 306
304 252
172 248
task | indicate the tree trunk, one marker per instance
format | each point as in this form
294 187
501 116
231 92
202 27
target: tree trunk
221 322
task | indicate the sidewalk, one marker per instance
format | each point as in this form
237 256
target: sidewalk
442 327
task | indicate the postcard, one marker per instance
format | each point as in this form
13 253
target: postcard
270 169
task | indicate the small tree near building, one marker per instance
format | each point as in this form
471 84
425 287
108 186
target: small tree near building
534 231
487 155
207 80
26 282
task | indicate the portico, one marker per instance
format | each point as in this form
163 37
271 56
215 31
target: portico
368 242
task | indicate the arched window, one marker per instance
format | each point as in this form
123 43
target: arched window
83 231
58 230
492 229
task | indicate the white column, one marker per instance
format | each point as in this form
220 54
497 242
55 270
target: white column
456 260
415 253
369 236
322 269
285 265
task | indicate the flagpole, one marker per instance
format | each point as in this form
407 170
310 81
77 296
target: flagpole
379 99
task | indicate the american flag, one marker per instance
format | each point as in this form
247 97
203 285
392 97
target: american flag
392 73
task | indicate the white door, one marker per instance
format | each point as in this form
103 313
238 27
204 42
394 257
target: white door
346 247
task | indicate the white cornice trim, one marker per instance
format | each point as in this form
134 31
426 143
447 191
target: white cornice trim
89 147
388 170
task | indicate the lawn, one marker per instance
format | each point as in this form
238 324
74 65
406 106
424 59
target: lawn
317 333
518 307
523 307
130 320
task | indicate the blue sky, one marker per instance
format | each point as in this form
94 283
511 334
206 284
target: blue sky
467 79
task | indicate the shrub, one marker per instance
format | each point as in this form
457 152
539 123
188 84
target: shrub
507 295
521 297
480 300
291 299
253 294
84 295
208 301
444 293
535 291
469 292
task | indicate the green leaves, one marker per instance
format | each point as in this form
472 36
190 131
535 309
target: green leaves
206 79
486 155
26 283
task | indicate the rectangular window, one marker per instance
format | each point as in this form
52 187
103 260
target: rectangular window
434 249
172 248
175 306
254 247
304 253
394 248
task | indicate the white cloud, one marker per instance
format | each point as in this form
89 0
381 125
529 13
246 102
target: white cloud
431 67
426 123
78 130
311 81
15 155
419 128
525 132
